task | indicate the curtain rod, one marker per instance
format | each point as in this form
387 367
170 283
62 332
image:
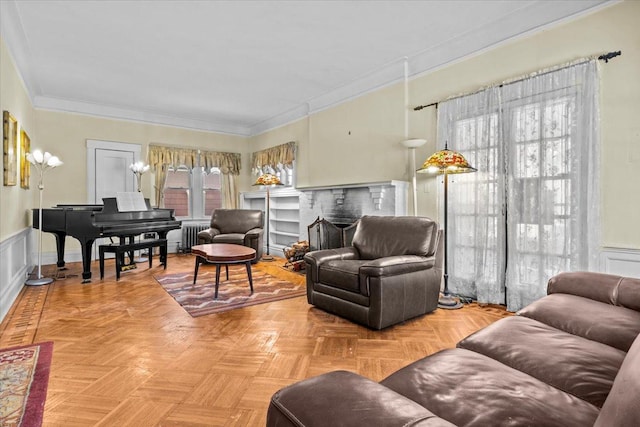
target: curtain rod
604 57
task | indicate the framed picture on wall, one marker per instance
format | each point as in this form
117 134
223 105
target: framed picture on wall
25 166
10 141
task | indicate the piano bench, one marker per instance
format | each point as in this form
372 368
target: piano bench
121 249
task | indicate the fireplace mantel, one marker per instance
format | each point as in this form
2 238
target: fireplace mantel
292 210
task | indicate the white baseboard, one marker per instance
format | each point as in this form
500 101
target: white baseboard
17 258
621 261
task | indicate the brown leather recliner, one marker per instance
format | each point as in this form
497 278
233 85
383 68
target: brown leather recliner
391 273
237 226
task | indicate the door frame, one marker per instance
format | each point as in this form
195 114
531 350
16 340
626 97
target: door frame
96 144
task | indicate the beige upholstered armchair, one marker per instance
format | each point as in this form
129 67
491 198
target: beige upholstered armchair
238 226
391 273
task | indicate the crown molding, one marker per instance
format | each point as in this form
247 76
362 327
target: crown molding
138 116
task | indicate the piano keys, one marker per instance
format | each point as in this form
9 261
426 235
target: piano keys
86 223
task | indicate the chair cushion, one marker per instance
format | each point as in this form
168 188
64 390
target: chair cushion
576 365
234 238
598 321
470 389
343 274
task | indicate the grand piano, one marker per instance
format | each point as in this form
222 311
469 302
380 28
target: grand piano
88 222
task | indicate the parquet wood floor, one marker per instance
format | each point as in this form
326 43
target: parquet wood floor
126 354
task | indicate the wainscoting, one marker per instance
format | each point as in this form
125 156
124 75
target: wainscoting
17 261
624 262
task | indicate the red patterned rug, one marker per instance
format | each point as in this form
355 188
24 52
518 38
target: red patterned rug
198 300
24 377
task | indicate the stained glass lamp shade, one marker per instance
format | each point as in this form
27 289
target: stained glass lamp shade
446 161
267 179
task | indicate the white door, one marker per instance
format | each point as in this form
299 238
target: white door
108 172
108 168
112 173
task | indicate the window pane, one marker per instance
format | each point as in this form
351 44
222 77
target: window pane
177 179
212 200
212 179
178 200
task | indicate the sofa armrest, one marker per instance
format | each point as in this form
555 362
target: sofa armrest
206 236
396 265
606 288
350 400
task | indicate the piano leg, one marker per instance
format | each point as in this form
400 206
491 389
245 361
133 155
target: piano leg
87 245
163 253
60 240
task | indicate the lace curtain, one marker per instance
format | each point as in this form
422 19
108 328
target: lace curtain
532 209
277 160
161 158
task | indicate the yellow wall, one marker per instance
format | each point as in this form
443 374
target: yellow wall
14 200
329 155
359 141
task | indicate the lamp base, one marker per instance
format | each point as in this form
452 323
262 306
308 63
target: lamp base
267 258
448 302
39 281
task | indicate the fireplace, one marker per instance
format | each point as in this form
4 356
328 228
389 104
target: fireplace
342 205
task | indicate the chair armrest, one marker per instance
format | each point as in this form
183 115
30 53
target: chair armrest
349 400
314 259
396 265
206 236
254 233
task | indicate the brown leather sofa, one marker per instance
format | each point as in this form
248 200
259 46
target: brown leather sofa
571 358
237 226
391 273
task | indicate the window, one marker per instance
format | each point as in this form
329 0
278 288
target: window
177 190
212 190
193 194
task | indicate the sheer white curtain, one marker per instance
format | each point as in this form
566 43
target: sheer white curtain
476 232
532 209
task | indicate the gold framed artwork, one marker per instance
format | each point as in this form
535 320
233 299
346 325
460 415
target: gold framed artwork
25 166
10 147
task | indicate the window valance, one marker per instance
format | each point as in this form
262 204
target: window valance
284 154
172 156
228 163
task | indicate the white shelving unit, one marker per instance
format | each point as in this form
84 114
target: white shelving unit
284 215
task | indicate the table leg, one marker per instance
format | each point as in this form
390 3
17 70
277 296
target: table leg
215 296
249 274
195 274
226 266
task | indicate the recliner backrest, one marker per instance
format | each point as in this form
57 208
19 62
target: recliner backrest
383 236
236 220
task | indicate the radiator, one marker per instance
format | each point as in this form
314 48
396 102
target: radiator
190 236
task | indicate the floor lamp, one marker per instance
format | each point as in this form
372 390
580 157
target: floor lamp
446 162
268 180
42 162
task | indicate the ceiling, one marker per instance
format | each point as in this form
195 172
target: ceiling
243 67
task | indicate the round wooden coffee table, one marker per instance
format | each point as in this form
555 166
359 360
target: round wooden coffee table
223 254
